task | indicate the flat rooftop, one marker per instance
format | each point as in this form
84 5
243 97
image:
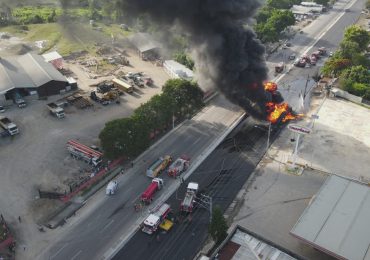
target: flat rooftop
337 219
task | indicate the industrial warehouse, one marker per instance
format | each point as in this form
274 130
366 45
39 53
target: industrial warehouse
29 76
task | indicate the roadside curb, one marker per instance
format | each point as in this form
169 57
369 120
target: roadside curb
175 185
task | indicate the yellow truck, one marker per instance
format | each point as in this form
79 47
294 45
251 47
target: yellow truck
158 166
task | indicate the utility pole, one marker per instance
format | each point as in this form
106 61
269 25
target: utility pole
205 201
296 150
305 87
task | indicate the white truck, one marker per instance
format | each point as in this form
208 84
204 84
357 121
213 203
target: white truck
56 110
111 188
188 202
158 218
84 152
9 126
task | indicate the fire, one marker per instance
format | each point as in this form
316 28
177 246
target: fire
270 86
276 111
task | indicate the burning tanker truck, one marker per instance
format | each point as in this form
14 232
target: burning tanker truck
228 56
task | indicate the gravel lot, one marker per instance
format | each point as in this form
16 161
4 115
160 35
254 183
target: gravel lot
37 157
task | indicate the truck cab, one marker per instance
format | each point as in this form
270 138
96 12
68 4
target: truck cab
156 218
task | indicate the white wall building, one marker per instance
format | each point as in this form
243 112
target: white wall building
177 70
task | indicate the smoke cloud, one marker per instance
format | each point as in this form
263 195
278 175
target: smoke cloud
227 53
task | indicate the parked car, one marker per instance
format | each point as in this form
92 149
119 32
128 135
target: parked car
2 109
292 57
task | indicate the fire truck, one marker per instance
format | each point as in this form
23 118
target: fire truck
84 152
158 218
188 202
148 194
158 166
179 166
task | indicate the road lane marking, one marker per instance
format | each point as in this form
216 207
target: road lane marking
74 257
290 67
107 225
60 249
196 141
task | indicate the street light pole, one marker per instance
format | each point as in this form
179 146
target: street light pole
296 150
268 137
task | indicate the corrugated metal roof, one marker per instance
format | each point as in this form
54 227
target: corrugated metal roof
26 71
251 248
177 68
144 42
50 56
337 219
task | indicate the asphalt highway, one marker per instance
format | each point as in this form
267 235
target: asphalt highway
105 221
220 176
229 166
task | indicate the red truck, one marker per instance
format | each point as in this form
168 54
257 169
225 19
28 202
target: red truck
84 152
148 194
179 166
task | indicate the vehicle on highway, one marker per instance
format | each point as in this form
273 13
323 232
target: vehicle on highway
2 109
300 63
158 166
56 110
187 204
292 57
322 51
148 194
84 153
279 67
8 126
179 166
111 188
313 60
157 218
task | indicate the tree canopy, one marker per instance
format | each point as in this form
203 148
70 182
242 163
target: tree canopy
130 136
218 227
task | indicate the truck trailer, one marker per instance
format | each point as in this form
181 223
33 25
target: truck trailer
9 126
148 194
158 166
188 202
84 152
157 218
56 110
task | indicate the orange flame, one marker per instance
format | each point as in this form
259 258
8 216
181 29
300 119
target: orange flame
270 86
275 111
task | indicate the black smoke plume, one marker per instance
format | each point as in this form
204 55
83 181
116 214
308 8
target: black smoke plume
227 53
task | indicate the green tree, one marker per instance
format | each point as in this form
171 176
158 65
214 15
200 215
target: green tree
282 4
184 59
335 65
278 21
264 13
358 35
123 136
368 4
218 227
357 74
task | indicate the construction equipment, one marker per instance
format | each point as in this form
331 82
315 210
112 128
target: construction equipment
56 110
148 194
158 166
84 152
156 218
179 166
190 195
9 126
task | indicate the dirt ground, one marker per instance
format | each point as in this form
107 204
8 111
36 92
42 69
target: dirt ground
37 157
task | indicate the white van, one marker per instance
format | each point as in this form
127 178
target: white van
111 188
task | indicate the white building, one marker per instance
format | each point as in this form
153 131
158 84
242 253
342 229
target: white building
177 70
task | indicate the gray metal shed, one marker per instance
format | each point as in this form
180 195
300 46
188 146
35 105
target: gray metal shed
337 219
